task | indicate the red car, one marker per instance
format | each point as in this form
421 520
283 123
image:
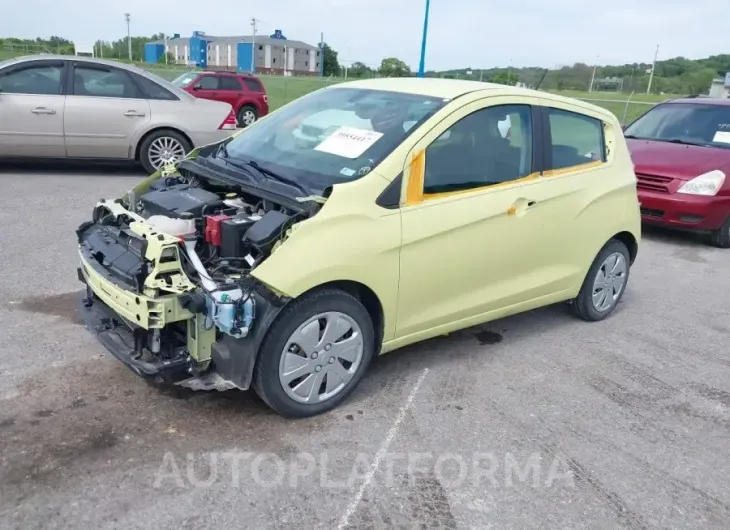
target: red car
245 93
681 154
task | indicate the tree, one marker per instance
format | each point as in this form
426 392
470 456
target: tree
359 69
331 65
392 67
505 78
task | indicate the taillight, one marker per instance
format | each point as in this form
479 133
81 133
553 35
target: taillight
229 122
266 98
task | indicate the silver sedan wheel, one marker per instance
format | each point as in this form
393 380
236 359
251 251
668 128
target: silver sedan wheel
247 117
610 282
165 150
321 357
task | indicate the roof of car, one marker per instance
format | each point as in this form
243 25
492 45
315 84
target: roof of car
702 100
52 57
453 88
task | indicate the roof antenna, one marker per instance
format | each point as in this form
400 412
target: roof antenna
544 73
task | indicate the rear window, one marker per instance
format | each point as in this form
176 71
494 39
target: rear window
253 84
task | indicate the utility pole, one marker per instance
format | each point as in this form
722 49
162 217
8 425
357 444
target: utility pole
653 65
129 35
593 78
253 46
422 63
321 54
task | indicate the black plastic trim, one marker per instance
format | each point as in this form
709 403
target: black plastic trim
390 197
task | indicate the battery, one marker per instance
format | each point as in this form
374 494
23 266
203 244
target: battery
232 231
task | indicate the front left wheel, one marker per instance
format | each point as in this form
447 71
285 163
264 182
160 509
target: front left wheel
315 354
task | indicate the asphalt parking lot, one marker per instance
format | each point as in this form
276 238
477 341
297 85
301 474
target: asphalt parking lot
535 421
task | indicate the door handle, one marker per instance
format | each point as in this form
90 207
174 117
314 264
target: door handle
43 110
134 114
520 207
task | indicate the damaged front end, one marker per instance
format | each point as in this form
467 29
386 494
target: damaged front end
167 274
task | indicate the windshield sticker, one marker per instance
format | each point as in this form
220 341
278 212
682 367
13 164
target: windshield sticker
347 171
722 137
348 142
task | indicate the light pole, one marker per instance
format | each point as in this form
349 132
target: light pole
129 35
422 64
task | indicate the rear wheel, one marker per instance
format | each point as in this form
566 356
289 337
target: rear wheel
721 237
246 116
315 354
604 284
161 148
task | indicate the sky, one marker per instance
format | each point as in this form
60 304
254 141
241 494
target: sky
461 33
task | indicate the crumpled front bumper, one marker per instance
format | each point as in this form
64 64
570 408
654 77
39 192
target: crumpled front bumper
118 338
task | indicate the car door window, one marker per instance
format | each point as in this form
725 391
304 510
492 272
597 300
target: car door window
102 82
576 139
477 151
229 83
40 80
208 82
253 85
152 90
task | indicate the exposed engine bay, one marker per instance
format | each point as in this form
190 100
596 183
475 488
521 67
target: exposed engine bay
192 240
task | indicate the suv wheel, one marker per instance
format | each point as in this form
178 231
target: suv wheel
161 148
721 237
246 116
314 354
604 284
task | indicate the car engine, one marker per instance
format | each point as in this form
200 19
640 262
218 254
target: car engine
225 231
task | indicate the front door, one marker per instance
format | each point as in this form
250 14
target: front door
104 111
206 87
472 238
32 104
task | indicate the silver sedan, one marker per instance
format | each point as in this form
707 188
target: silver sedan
55 106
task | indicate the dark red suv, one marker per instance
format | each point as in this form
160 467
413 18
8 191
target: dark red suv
245 93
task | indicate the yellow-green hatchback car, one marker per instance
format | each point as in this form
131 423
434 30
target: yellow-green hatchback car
355 220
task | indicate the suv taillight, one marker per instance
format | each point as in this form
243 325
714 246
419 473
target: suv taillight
266 98
229 122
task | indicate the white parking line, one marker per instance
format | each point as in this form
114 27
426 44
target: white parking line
381 453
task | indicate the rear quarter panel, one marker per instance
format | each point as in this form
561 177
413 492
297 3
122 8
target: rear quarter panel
198 119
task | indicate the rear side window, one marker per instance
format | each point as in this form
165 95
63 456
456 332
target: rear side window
253 84
152 90
576 139
228 83
103 82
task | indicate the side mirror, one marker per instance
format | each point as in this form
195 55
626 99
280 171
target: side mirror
196 87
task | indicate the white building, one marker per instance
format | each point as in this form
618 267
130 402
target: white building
720 87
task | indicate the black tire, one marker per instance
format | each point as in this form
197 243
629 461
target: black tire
583 304
266 381
243 110
144 148
721 237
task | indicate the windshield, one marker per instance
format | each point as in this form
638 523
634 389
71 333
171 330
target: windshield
332 135
689 123
185 79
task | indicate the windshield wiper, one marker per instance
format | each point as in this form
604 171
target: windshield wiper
276 176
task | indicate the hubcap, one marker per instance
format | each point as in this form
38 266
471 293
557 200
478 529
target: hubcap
165 150
248 117
610 281
321 357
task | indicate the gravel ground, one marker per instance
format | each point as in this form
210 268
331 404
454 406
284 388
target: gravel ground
535 421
